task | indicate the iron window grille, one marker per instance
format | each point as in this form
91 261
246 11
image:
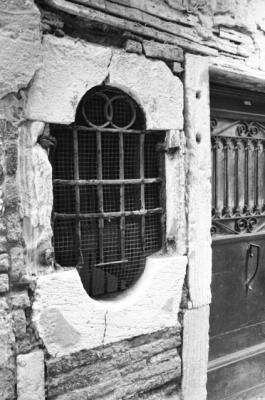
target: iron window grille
108 182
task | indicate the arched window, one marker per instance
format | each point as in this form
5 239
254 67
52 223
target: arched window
108 185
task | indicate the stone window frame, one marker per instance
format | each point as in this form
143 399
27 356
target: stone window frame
153 303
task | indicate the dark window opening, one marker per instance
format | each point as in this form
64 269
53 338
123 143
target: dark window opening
108 180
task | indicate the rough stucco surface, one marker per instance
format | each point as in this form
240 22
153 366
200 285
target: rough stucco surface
68 320
20 44
61 82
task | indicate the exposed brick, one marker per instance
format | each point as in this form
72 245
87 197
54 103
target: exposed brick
4 283
133 46
161 50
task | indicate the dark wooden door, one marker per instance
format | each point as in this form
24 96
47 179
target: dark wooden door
237 314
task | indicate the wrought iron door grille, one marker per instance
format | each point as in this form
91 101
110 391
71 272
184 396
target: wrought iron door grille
238 181
108 183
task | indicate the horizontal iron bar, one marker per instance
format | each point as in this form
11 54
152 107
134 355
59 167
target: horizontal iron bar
85 128
103 264
242 216
84 182
108 214
238 138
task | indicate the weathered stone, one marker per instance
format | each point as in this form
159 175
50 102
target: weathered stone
162 51
126 368
13 226
4 283
133 47
30 376
3 243
36 197
177 68
7 341
153 85
20 41
4 262
65 76
11 196
4 306
7 382
11 158
62 308
20 300
19 319
18 267
56 100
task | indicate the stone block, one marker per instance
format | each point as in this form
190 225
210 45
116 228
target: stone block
132 46
4 262
162 51
68 320
4 283
177 68
11 158
20 323
7 383
60 84
20 41
30 376
17 261
20 300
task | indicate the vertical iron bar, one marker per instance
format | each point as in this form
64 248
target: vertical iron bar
226 190
101 207
122 199
77 200
236 177
256 177
214 177
246 177
142 139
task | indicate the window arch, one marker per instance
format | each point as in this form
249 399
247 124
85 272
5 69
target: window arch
108 182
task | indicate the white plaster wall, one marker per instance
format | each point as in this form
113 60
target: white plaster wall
69 320
72 67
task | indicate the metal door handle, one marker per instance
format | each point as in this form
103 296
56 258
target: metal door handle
250 255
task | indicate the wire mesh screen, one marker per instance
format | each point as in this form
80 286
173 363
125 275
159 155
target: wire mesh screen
108 177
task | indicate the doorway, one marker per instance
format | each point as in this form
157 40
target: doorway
237 314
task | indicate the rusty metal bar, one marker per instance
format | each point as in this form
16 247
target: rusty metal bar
77 201
108 215
122 189
84 182
100 197
142 139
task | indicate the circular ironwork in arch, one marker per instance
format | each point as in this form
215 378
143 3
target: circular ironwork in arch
107 107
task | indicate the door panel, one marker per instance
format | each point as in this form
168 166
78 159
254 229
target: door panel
237 316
